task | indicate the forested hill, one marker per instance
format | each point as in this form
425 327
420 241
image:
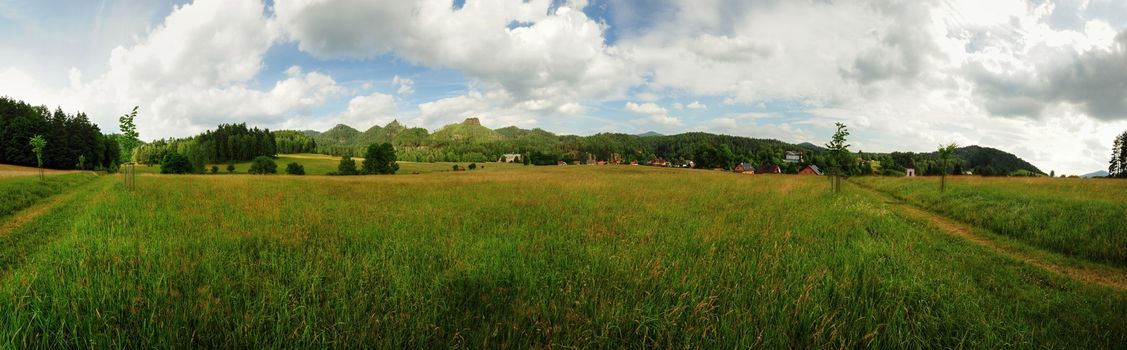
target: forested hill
977 156
73 141
469 141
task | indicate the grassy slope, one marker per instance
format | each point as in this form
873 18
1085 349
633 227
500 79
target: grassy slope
319 164
1077 217
586 256
18 193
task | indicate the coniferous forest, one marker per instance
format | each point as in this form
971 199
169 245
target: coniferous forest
73 141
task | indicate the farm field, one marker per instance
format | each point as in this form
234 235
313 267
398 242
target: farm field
319 164
584 256
1082 218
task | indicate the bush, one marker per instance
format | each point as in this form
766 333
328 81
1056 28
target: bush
472 166
380 159
214 169
347 166
230 168
175 163
295 169
456 167
263 165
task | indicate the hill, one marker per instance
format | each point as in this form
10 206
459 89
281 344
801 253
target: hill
470 141
977 157
1098 173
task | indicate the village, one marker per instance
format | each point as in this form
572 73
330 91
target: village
792 157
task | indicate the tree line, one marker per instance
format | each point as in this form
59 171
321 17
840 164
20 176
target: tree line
72 141
228 143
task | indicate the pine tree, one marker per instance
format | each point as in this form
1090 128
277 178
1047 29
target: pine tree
1118 157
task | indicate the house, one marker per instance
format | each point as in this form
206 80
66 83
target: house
659 162
601 162
576 162
810 170
560 162
769 169
745 168
633 162
509 158
793 157
910 171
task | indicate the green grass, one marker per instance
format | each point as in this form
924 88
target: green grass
18 193
319 164
602 257
1082 218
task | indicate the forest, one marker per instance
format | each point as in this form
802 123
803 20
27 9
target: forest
228 143
73 142
469 141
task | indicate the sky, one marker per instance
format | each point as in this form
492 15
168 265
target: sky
1045 80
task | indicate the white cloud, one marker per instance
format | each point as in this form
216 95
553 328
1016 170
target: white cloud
194 70
556 60
696 105
653 114
406 86
365 111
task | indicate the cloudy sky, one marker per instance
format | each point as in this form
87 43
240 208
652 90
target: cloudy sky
1046 80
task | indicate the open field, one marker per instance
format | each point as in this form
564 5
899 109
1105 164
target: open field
18 193
1077 217
319 164
525 257
8 170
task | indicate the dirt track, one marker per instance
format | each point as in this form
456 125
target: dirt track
1104 276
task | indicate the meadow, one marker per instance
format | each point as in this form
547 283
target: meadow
1082 218
319 164
584 256
24 191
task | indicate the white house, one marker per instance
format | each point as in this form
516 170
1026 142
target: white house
793 157
910 172
509 158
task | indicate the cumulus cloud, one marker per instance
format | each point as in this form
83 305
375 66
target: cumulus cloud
1095 81
652 114
406 86
194 70
365 111
557 56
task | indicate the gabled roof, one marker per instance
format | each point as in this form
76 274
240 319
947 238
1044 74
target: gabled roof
746 166
768 169
815 169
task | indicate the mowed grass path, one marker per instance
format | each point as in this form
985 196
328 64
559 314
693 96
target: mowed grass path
320 164
529 257
1083 218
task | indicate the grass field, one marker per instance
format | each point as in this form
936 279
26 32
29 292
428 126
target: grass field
18 193
319 164
1077 217
524 257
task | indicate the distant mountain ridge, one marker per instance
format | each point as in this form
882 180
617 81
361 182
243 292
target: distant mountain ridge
469 140
1098 173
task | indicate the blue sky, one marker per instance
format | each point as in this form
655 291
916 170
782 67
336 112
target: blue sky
1041 79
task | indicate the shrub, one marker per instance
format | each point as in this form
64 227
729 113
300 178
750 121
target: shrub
230 167
380 159
456 167
472 166
347 166
214 169
295 169
175 163
263 165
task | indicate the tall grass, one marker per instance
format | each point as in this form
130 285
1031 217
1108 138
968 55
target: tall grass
1078 217
569 256
18 193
